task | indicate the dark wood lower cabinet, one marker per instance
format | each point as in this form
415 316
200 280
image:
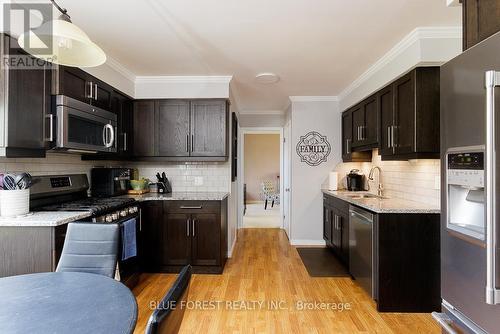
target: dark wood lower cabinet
408 262
336 227
406 256
26 250
178 233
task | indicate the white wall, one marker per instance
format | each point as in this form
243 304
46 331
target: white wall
307 181
261 120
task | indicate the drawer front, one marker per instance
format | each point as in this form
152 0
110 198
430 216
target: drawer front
193 206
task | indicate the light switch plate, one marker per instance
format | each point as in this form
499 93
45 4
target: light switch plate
198 180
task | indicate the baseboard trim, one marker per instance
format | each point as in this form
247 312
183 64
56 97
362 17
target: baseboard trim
230 252
305 242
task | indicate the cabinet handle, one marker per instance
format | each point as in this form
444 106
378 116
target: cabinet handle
348 145
51 127
187 143
187 226
389 137
91 90
393 142
191 207
124 141
194 224
95 90
192 143
140 219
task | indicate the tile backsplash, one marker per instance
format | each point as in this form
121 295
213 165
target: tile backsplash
415 180
202 177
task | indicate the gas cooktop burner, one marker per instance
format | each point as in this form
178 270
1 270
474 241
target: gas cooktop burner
94 205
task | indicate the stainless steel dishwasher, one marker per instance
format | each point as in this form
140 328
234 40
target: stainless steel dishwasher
361 262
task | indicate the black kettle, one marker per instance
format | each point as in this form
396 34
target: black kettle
355 180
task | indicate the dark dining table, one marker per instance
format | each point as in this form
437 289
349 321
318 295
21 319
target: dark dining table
66 302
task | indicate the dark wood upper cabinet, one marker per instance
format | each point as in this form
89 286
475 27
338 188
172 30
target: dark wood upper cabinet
73 82
348 155
80 85
414 132
365 125
173 128
102 95
401 119
481 19
386 114
144 128
123 107
209 128
182 130
25 106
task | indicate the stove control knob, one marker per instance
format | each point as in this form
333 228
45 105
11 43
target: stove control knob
132 209
108 219
123 213
136 209
115 215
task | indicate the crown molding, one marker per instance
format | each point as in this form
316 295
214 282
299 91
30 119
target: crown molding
314 98
453 3
413 37
118 67
185 79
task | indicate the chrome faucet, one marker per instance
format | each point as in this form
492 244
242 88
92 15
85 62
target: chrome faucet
370 177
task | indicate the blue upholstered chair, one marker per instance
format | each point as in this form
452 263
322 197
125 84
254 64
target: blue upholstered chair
90 248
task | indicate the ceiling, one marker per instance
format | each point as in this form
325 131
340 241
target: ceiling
317 47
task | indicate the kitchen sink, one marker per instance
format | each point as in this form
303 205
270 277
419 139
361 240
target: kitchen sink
364 195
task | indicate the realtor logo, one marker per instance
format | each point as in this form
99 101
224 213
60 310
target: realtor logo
313 148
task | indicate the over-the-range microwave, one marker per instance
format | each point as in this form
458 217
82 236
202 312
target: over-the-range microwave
78 127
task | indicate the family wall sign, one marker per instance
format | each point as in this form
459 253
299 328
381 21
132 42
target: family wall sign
313 148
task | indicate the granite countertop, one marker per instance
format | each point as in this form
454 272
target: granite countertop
44 218
384 205
181 196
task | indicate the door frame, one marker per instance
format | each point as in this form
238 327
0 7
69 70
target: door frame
241 167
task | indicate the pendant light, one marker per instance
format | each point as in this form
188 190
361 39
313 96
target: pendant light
70 45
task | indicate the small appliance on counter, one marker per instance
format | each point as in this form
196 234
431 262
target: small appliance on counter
355 180
163 185
109 181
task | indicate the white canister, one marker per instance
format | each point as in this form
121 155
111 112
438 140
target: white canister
14 202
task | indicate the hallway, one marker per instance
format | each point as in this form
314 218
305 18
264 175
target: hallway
257 217
265 269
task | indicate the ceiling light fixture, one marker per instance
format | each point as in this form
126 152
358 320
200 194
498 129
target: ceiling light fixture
70 45
267 78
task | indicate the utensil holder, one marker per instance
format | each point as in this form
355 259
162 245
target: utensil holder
14 202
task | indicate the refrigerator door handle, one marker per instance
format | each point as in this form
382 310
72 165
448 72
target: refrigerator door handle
492 80
445 322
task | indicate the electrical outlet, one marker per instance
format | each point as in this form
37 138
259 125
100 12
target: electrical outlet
198 180
437 182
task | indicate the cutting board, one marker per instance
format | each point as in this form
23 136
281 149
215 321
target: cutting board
138 192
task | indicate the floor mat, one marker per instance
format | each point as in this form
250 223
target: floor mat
321 262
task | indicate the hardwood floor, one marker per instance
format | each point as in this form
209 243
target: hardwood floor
265 268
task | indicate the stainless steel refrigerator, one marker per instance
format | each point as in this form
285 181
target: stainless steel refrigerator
470 179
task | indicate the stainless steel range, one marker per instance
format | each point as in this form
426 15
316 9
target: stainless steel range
70 193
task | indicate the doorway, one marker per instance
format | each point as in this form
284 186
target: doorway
261 178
